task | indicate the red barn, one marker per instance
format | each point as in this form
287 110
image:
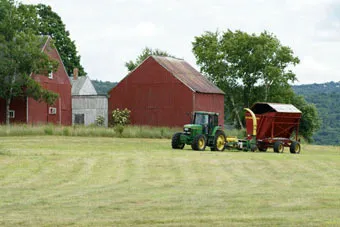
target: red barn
27 110
164 91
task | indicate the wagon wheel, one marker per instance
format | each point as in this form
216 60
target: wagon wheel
278 147
262 147
199 143
295 147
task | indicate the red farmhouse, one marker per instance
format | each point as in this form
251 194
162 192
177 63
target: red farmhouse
27 110
164 91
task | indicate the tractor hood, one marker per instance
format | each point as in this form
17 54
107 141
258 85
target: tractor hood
193 126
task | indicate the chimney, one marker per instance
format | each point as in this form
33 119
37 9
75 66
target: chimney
75 73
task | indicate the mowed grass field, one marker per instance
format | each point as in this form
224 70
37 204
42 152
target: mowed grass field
83 181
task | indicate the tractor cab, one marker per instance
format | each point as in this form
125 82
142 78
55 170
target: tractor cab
203 131
207 120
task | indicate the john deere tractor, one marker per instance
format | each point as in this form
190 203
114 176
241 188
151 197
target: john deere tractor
203 131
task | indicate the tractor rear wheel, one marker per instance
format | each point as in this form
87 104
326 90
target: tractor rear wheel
295 147
219 141
199 143
176 141
278 147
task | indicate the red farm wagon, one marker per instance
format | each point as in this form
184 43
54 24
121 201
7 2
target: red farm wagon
274 125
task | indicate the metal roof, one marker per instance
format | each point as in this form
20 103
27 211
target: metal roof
78 84
188 75
277 107
284 108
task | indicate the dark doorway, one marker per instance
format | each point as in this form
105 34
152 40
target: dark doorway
79 119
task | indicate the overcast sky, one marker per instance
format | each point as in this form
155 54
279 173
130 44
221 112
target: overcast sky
108 33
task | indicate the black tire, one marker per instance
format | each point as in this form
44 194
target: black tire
199 143
295 147
278 147
253 147
176 142
219 141
263 149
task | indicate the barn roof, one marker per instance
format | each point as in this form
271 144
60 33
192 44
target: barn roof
78 84
188 75
263 107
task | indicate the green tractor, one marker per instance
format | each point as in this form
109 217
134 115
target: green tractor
204 131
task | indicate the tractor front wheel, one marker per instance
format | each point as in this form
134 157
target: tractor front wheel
219 141
278 147
295 147
176 141
199 143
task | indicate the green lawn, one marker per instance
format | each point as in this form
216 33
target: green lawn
79 181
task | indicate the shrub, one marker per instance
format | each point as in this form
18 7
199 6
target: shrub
48 130
100 120
120 117
66 131
119 129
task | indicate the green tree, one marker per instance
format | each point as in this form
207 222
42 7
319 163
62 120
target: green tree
240 63
20 55
310 120
50 23
146 52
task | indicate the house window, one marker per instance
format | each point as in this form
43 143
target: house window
79 119
50 75
11 114
52 110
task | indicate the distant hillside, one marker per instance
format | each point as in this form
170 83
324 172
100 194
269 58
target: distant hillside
307 89
326 98
102 87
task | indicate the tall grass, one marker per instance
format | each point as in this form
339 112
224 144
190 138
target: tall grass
88 131
95 131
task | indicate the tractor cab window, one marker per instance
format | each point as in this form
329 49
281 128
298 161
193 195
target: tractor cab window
214 120
201 119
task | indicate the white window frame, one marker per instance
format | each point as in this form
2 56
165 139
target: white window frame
12 114
50 75
52 110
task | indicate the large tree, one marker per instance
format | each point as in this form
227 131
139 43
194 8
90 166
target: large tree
250 68
20 55
146 52
240 63
50 23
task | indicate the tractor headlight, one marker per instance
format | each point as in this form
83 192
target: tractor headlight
186 130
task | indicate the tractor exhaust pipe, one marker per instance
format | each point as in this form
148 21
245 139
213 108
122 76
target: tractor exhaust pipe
254 121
